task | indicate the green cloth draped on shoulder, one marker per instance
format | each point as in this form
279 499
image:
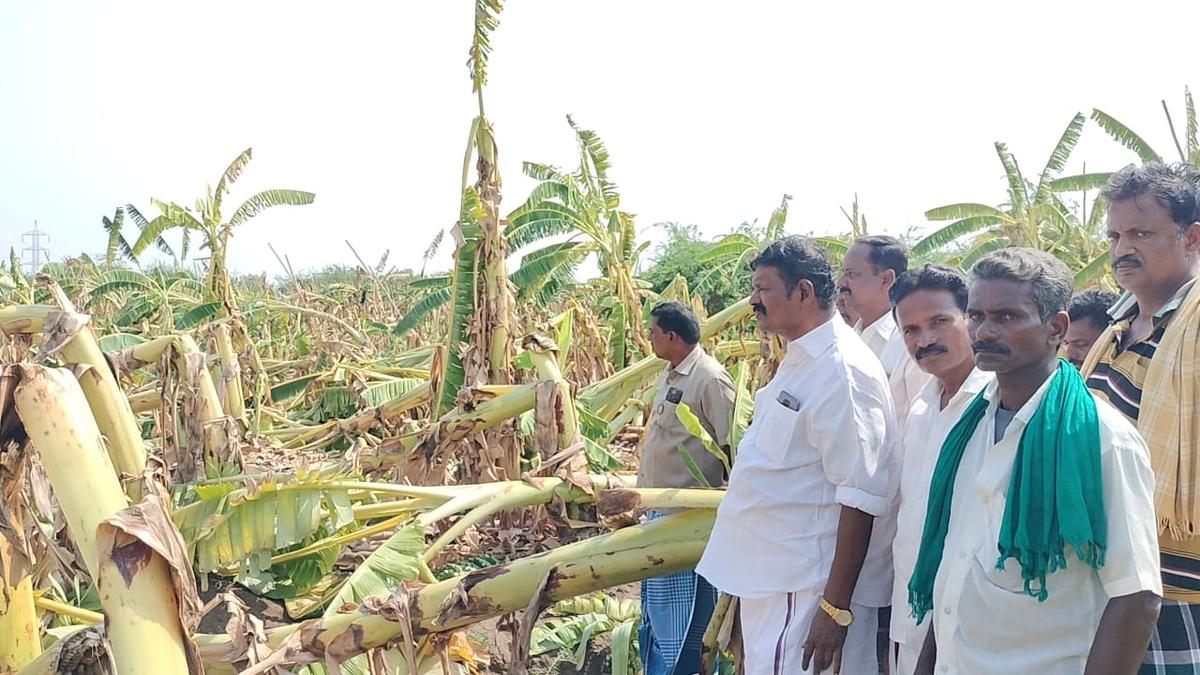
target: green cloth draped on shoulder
1055 498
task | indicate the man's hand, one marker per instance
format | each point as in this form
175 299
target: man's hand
824 644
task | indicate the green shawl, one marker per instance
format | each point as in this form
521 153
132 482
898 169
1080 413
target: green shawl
1055 497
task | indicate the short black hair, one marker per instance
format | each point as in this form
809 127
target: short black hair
1175 186
930 277
1092 304
678 318
797 258
887 253
1050 277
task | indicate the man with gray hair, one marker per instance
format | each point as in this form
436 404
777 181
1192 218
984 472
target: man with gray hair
1038 553
1147 365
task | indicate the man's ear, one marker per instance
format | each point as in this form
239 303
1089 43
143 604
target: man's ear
889 277
1058 323
1191 238
806 290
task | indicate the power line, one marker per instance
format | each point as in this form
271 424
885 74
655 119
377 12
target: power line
38 254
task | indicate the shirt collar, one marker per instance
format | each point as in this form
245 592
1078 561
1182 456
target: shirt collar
975 383
884 326
1126 306
814 341
689 362
992 394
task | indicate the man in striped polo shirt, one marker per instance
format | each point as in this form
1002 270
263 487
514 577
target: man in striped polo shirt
1144 365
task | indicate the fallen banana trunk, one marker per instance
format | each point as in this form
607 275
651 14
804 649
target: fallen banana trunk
70 332
137 592
310 437
665 546
205 422
232 399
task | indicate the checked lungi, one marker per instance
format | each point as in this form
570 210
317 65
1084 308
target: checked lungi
1175 645
676 609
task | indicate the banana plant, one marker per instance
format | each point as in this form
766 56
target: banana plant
1034 215
172 300
1188 149
207 221
584 207
730 257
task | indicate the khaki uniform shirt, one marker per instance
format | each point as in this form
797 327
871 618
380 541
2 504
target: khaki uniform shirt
702 383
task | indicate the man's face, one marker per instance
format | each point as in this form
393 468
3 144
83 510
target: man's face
660 340
776 311
935 331
1081 335
1146 247
860 285
1007 331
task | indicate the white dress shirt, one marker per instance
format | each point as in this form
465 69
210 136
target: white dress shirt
923 434
776 528
905 378
983 620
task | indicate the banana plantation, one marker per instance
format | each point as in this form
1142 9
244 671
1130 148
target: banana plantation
351 471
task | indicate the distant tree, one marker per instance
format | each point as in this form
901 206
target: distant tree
682 254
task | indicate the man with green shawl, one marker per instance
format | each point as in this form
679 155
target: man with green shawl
1039 552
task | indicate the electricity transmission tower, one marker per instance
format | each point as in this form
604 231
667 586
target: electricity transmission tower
38 253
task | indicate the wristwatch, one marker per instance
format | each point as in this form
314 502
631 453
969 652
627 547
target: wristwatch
842 617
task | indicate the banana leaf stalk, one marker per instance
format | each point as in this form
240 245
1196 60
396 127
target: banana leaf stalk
310 437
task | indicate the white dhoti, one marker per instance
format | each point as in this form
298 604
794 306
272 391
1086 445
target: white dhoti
775 627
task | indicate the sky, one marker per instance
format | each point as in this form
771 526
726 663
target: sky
711 111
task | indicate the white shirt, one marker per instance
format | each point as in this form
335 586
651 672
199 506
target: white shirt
776 528
924 432
983 620
904 376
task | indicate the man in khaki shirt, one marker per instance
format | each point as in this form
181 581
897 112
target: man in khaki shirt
676 608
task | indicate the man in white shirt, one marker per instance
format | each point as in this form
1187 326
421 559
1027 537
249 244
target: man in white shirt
1039 552
792 533
931 310
869 270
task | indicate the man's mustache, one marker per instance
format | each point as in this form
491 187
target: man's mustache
930 350
1128 259
844 290
981 347
759 309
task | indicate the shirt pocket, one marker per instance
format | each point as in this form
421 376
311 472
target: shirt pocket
775 435
1007 579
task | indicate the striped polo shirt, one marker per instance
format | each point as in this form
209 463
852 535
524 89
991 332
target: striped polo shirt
1118 378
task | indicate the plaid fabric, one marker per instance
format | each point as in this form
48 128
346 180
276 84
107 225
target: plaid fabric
1154 383
676 609
1175 646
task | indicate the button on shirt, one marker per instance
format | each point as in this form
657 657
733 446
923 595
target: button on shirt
905 378
776 528
983 620
924 432
701 383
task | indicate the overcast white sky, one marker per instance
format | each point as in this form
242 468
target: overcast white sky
711 110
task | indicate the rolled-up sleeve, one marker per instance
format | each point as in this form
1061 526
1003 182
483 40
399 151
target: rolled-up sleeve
1131 561
850 431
